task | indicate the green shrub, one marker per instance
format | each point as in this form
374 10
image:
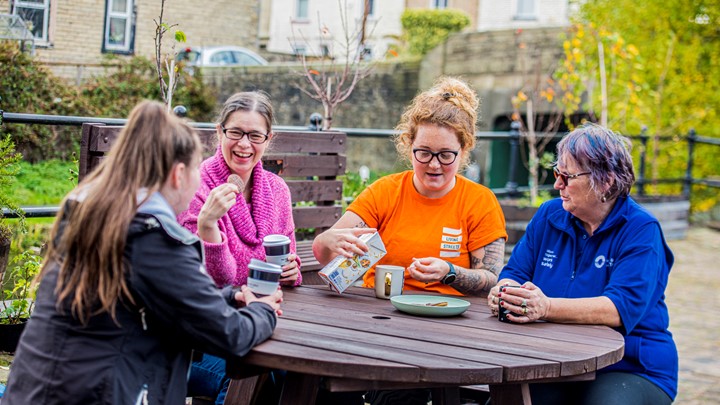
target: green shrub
127 82
425 29
27 87
9 168
17 297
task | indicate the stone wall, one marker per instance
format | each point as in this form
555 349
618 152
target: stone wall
376 102
496 63
492 62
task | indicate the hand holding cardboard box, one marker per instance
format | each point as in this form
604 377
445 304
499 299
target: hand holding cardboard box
342 272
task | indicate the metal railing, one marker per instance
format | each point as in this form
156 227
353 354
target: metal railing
512 188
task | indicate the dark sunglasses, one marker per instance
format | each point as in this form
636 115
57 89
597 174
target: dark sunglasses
565 177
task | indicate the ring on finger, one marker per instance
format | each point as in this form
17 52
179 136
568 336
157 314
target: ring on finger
524 311
524 303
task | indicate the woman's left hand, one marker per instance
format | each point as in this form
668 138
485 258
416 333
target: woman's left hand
528 301
290 271
428 269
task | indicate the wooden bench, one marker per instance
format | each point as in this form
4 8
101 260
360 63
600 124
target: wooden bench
309 162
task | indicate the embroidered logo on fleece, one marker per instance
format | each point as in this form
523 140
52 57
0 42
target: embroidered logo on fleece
548 259
600 261
450 243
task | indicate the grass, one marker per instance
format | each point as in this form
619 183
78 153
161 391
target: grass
43 183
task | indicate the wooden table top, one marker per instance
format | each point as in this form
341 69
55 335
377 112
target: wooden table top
356 341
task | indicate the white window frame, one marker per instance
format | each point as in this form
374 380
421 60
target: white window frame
439 4
526 10
126 47
297 10
45 6
299 50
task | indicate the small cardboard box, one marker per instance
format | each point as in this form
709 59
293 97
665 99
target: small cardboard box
342 272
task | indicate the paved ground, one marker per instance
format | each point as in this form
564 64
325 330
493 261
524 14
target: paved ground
693 299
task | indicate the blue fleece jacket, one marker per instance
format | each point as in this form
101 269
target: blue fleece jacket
626 260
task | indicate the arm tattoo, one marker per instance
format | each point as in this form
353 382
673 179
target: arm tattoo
494 256
484 268
361 224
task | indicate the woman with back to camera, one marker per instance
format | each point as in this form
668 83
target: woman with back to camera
594 256
123 295
448 232
232 217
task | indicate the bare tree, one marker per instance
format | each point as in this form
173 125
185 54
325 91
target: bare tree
331 82
168 60
536 129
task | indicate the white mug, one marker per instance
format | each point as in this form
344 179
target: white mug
389 281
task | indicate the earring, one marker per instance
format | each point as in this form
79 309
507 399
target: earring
603 199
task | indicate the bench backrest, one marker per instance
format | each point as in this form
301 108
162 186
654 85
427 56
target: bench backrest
309 162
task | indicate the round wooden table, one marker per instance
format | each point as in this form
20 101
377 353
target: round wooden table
356 342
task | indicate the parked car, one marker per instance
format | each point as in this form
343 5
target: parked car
220 56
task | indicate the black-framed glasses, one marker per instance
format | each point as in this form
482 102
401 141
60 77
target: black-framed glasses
235 134
446 157
565 177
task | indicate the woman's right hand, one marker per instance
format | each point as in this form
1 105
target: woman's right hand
246 295
493 298
345 241
218 203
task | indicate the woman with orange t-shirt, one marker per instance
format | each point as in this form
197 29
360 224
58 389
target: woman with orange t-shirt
447 231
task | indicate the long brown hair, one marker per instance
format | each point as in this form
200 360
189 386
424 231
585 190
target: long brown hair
90 249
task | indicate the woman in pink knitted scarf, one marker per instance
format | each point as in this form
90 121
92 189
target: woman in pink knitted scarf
233 216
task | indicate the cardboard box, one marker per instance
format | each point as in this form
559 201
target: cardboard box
342 272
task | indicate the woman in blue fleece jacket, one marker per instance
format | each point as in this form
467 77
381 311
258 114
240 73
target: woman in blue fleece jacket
594 256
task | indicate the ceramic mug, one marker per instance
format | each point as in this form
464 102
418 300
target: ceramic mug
389 281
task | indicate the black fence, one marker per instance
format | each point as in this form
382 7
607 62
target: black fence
513 137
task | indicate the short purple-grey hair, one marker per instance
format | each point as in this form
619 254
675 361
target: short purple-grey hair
603 153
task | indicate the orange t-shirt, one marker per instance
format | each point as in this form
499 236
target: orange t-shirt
413 226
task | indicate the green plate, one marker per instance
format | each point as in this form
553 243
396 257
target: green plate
418 305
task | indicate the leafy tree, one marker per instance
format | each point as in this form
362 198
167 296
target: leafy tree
660 70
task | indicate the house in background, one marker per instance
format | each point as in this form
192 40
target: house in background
73 36
314 27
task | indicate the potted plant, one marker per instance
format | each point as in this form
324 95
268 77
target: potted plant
17 298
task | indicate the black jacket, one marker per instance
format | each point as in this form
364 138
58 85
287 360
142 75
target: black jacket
144 359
